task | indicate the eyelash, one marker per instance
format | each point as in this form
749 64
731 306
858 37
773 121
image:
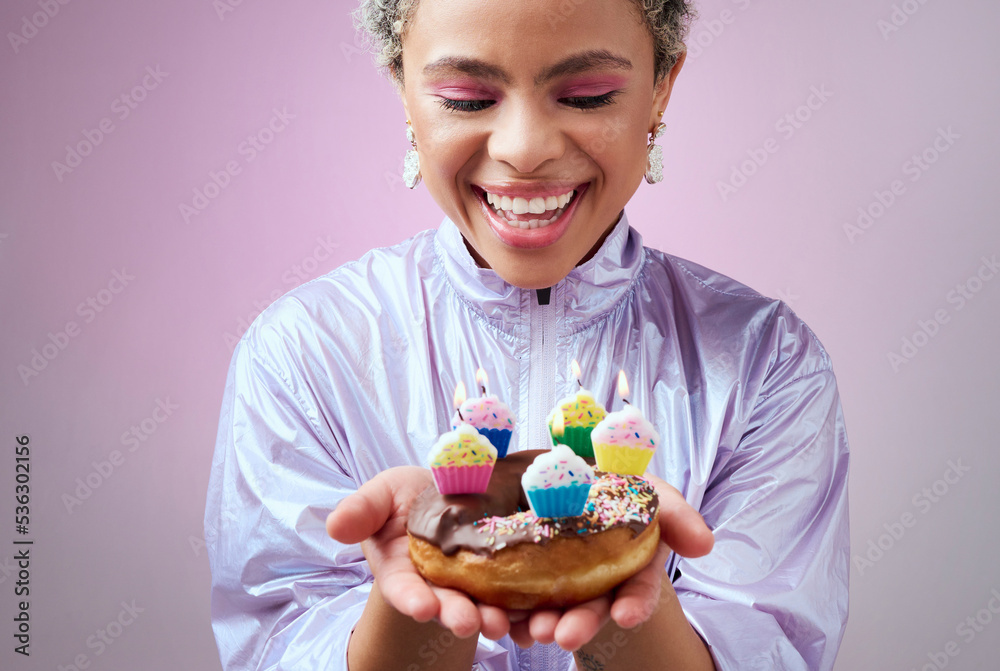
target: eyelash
579 102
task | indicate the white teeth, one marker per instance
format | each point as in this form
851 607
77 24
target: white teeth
518 205
522 205
532 223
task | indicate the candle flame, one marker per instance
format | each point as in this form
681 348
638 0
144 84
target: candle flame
623 386
459 394
558 424
575 367
481 378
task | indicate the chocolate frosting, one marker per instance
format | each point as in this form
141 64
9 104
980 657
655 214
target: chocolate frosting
486 523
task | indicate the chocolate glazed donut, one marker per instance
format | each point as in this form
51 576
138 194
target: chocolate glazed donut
492 547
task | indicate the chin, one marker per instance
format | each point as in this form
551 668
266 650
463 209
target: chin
531 275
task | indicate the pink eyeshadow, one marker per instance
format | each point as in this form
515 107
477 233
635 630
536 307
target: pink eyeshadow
591 87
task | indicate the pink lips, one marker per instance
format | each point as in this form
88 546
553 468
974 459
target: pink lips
531 238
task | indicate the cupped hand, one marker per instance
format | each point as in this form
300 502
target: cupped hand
682 530
375 516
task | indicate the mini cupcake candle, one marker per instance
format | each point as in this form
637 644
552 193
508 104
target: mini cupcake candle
487 414
582 412
462 461
557 483
624 441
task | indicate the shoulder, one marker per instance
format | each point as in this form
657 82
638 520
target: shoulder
763 333
348 304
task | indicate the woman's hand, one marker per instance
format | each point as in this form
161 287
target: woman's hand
634 601
375 516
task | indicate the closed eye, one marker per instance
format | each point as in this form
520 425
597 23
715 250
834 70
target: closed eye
466 105
579 102
590 102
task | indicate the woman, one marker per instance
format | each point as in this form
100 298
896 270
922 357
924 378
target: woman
532 124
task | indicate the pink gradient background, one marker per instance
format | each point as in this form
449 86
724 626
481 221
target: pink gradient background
332 174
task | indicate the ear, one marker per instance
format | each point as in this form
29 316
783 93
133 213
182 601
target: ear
398 85
661 92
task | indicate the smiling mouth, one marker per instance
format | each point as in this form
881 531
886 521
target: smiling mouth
527 212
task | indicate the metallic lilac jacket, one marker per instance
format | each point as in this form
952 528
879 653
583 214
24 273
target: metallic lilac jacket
353 373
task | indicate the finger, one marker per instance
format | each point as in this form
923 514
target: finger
364 512
361 514
637 597
457 612
681 526
542 625
405 590
521 634
581 623
495 623
518 615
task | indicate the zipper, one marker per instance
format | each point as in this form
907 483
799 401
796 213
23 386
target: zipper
541 369
542 377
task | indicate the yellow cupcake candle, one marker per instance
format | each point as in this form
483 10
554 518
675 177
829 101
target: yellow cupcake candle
624 441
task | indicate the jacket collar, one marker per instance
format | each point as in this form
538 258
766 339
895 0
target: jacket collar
587 293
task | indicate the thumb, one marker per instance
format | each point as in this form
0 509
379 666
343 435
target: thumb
681 526
363 513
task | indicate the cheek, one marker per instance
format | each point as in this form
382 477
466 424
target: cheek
618 145
448 151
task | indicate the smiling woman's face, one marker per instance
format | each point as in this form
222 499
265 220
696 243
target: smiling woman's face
531 125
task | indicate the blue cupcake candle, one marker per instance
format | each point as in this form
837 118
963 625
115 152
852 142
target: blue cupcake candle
557 483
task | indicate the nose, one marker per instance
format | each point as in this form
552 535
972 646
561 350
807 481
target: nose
525 137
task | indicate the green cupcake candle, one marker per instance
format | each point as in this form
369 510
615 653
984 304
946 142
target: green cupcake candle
581 412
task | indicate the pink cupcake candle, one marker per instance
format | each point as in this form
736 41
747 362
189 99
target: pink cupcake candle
462 461
487 414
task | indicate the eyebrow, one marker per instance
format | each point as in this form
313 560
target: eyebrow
587 60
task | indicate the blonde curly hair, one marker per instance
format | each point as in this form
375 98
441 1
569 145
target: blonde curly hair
384 22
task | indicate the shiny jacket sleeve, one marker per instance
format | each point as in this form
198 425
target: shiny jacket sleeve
772 594
284 594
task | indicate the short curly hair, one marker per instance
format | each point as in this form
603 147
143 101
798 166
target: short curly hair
384 22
